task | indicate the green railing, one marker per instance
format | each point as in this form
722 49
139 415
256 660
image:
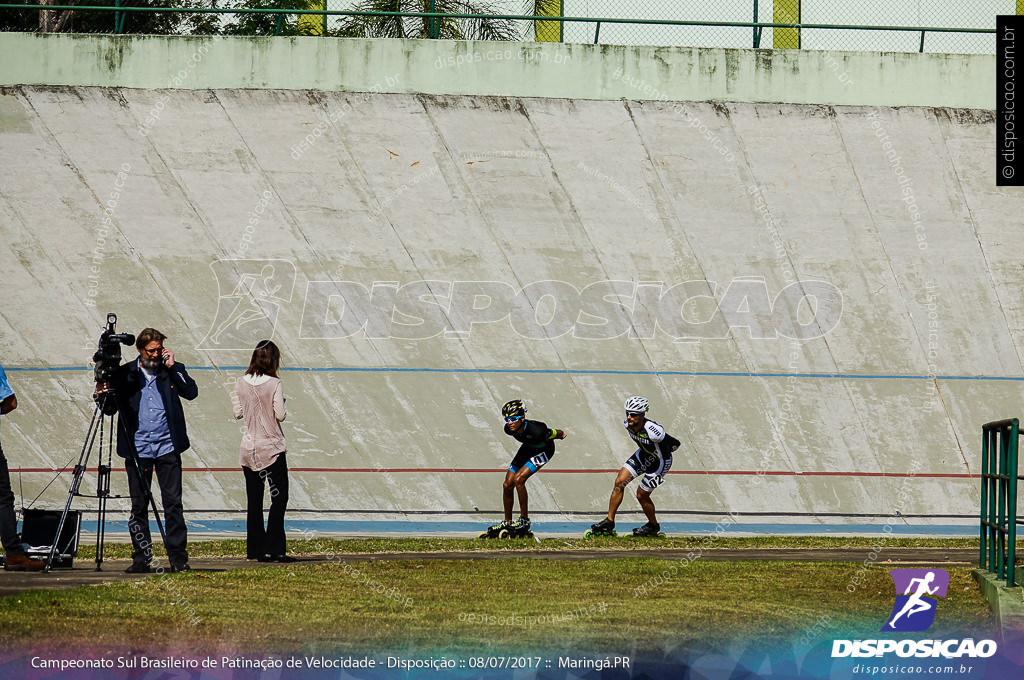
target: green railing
999 498
432 19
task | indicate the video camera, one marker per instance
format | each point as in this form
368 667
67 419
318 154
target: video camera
108 356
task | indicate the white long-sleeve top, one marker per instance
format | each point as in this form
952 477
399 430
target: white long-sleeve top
259 400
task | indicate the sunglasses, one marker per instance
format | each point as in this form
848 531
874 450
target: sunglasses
631 414
513 420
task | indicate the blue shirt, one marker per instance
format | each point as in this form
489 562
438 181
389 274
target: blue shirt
153 438
5 387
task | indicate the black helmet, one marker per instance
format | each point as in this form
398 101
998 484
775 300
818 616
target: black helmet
513 409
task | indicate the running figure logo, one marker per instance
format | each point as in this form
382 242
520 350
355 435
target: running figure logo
250 295
914 610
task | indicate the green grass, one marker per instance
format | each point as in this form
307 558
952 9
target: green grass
322 545
472 607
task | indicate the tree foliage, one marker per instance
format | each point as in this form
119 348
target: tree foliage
164 23
74 21
442 28
268 24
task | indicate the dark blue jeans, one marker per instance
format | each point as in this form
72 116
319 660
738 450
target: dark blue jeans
8 520
168 476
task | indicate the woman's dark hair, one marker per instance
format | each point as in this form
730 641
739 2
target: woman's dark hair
266 359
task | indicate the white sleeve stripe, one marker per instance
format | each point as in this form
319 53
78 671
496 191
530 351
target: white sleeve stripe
655 431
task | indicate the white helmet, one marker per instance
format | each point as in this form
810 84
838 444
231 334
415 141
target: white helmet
637 404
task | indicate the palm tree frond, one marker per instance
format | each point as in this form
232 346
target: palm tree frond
415 27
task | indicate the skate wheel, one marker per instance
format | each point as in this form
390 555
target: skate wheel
503 533
529 534
483 535
589 534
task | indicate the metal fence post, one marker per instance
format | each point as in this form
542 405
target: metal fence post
1003 500
998 511
986 440
1011 511
757 29
993 481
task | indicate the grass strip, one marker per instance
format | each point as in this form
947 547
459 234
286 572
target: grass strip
322 544
515 606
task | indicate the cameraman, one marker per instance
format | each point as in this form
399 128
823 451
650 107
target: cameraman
15 558
151 430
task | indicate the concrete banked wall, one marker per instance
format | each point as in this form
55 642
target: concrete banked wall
231 210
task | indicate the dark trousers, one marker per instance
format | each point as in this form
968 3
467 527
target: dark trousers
8 520
260 542
168 476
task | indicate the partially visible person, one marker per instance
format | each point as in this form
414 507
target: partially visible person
258 400
15 558
151 430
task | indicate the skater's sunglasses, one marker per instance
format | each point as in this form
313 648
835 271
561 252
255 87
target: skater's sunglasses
631 414
515 419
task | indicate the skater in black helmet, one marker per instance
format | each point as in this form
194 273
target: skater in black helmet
537 446
652 460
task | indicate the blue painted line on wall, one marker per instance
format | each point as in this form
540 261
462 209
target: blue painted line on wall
553 371
296 527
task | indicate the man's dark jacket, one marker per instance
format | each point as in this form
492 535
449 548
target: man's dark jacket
174 385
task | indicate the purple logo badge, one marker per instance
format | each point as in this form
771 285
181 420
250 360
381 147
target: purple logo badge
914 610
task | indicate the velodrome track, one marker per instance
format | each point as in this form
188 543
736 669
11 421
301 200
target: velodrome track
230 212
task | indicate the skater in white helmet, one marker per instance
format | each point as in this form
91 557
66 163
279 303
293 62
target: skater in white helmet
651 461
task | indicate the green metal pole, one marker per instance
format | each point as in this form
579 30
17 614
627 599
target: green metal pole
433 27
985 436
757 33
1001 507
993 492
119 18
1011 539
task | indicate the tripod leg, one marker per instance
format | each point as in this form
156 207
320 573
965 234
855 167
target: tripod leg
76 481
102 493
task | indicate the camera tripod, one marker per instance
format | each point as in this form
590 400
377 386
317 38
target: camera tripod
100 421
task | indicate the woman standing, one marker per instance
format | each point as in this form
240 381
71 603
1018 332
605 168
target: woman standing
259 399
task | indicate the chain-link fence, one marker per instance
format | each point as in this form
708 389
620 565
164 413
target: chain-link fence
860 14
906 13
923 13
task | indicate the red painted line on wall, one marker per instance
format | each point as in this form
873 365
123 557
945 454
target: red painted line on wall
742 473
